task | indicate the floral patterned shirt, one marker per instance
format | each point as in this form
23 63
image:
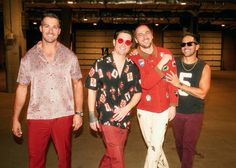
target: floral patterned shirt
51 93
113 91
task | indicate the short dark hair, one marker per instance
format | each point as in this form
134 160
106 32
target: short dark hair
139 25
51 15
116 34
195 36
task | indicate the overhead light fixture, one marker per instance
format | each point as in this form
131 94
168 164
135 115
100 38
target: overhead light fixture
95 24
222 25
183 3
35 23
156 24
70 2
85 19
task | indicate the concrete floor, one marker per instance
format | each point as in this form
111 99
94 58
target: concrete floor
216 147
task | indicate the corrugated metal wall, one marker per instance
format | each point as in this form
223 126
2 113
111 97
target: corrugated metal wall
92 44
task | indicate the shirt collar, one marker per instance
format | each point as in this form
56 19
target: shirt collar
39 49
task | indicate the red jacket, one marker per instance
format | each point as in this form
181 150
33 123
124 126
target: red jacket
157 93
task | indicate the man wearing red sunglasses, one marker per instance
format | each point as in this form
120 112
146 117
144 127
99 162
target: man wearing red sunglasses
159 98
113 90
193 81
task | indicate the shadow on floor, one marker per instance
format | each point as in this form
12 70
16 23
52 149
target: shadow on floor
216 147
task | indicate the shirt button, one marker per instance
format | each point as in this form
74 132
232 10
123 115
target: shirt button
148 97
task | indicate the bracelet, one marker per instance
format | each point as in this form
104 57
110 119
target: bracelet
92 117
81 114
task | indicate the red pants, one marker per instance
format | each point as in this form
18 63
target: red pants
39 133
114 139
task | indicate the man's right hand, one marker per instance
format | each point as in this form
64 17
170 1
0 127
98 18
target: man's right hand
16 128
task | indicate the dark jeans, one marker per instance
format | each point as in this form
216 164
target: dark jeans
186 129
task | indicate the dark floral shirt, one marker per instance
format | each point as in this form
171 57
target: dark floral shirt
113 91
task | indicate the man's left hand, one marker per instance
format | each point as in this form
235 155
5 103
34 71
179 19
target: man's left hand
133 52
120 113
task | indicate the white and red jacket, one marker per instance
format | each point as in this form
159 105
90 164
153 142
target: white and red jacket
157 93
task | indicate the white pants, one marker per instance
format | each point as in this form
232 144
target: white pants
153 127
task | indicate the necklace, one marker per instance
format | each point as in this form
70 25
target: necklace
188 70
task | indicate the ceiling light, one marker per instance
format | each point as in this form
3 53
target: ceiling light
222 25
70 2
183 3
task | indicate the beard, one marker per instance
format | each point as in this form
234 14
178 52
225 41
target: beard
145 46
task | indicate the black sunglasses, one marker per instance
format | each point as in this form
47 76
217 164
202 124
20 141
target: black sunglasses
188 44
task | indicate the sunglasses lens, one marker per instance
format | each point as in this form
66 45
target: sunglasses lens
188 44
182 44
120 40
128 42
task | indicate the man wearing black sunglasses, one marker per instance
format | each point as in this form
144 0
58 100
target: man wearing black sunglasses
193 81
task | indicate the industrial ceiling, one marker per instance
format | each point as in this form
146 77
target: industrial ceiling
214 12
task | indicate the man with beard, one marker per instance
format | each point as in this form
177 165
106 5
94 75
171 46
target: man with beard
159 98
193 81
56 96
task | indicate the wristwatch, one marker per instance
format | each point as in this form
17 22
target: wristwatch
81 114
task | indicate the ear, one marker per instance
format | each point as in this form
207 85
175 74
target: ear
114 42
59 31
40 28
197 46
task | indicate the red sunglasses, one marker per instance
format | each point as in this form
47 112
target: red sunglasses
127 42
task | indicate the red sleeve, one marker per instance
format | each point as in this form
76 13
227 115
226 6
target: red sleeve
172 89
171 66
150 74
